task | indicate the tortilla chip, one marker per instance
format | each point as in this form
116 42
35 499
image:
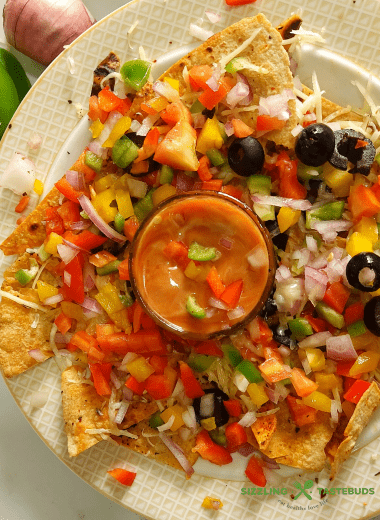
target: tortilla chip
368 403
266 50
17 337
82 407
300 447
328 108
110 64
154 448
264 427
31 232
137 412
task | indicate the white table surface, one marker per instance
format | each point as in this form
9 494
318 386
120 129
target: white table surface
34 483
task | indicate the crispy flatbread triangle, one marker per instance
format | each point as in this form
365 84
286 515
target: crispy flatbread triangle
368 403
266 50
300 447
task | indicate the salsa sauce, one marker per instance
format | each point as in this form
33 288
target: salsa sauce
162 284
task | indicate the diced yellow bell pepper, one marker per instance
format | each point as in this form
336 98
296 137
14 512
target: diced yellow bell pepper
210 136
197 272
72 310
102 203
109 299
368 227
257 394
124 203
52 242
38 187
96 128
45 290
120 318
318 400
105 182
366 339
360 179
287 217
139 368
358 243
163 192
122 183
158 103
339 181
121 126
208 424
171 374
366 362
172 82
326 382
316 358
210 503
176 410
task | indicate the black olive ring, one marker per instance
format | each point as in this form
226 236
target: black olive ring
372 315
357 264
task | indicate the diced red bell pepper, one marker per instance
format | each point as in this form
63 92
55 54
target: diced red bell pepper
63 323
177 251
159 363
123 269
266 123
69 213
95 111
255 473
301 413
362 202
336 296
131 225
21 206
199 75
289 187
124 106
347 383
174 112
354 312
233 407
87 343
124 476
231 294
149 146
211 451
159 386
274 370
147 323
107 100
233 191
64 187
191 384
204 168
141 342
271 352
209 98
343 369
54 222
86 240
76 290
212 185
101 384
356 391
302 384
102 258
318 324
177 149
138 312
135 386
215 282
209 348
241 129
235 435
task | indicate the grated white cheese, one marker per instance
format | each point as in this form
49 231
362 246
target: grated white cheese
373 108
336 114
318 102
269 412
111 431
130 31
42 267
226 59
302 36
21 301
81 112
58 358
142 53
35 322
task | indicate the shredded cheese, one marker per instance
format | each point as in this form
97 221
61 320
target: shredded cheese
302 36
269 412
53 347
130 31
318 102
39 273
337 113
21 301
111 431
226 59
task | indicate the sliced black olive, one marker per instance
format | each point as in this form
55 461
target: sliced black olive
315 144
357 264
219 410
282 336
269 309
209 113
280 241
372 315
272 227
137 139
246 156
346 150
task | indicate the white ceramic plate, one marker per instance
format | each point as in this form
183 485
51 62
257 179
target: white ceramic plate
158 491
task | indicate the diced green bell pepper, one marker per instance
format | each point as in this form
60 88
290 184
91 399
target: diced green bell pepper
226 173
200 253
109 268
232 354
126 299
155 420
200 362
43 255
135 73
166 174
235 65
330 211
248 369
24 276
303 172
330 315
119 222
197 107
356 329
261 184
377 159
84 215
222 131
194 309
218 437
144 206
93 161
216 157
300 328
124 152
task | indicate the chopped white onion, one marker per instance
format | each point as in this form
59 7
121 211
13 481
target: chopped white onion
34 142
37 354
257 257
229 129
167 425
218 304
178 453
315 340
67 278
340 348
162 88
240 381
248 419
283 273
189 418
199 32
137 188
119 418
303 205
52 300
19 175
226 242
148 122
98 221
66 253
213 17
236 313
92 305
207 405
